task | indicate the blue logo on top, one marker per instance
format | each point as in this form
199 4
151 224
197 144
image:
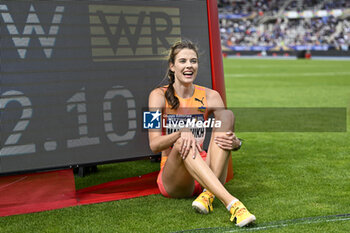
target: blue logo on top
151 120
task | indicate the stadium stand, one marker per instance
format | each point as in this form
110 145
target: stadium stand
277 25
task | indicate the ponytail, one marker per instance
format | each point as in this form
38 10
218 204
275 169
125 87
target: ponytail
173 101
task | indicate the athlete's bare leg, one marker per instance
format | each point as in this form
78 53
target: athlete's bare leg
178 176
177 181
217 158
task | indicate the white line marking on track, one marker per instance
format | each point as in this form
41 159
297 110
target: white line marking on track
278 224
289 224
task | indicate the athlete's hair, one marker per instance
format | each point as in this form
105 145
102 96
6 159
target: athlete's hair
173 101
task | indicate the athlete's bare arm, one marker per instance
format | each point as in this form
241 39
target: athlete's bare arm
157 141
215 103
227 141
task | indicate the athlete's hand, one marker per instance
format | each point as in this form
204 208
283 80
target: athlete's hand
188 143
227 141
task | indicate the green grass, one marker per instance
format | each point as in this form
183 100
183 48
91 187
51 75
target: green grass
279 176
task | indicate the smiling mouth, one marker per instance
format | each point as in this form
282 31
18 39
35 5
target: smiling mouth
188 74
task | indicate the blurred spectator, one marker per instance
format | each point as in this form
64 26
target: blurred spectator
328 31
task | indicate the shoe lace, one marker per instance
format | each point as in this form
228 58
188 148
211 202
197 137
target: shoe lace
241 211
206 200
237 213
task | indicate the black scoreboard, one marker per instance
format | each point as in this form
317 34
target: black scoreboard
76 75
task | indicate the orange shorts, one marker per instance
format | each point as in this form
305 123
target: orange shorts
197 188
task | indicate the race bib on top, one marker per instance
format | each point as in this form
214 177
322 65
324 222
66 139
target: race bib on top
173 123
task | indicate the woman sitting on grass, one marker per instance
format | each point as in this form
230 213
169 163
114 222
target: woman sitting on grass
185 167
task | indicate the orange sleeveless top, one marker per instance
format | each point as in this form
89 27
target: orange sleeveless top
190 110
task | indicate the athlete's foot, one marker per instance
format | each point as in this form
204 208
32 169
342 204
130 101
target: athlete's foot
204 203
241 214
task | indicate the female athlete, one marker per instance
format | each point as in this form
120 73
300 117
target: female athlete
185 167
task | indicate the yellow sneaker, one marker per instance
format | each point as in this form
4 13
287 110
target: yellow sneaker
204 203
241 214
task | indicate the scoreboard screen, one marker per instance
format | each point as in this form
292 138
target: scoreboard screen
76 75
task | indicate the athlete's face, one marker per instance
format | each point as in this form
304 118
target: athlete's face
185 66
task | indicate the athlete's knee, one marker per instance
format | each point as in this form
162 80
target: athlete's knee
227 119
178 144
